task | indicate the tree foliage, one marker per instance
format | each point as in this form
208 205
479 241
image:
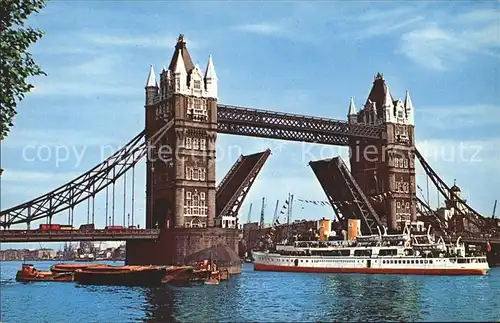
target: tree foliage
17 64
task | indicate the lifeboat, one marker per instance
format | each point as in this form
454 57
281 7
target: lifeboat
29 273
121 275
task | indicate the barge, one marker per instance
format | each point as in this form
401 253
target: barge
404 253
123 275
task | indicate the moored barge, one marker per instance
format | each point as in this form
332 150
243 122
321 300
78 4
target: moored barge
124 275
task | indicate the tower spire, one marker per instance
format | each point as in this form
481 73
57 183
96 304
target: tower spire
211 79
352 108
210 72
151 82
180 68
409 109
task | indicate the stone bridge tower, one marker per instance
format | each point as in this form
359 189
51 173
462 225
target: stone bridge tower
385 169
181 170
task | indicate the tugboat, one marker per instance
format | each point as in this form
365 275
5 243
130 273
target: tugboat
29 273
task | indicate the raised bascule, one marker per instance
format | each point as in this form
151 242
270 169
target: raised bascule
187 212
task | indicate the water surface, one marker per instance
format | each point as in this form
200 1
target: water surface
257 296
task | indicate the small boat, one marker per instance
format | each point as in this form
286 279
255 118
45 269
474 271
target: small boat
122 275
29 273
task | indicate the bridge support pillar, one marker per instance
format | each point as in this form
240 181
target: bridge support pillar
174 245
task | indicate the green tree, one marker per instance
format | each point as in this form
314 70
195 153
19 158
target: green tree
17 64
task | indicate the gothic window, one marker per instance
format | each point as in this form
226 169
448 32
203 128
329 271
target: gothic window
195 174
397 131
201 172
197 105
188 204
400 114
188 144
188 224
405 187
190 106
196 143
202 196
405 165
196 204
203 144
195 223
197 85
398 207
408 207
200 110
188 173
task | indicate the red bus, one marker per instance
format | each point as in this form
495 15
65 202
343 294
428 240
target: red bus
114 228
50 227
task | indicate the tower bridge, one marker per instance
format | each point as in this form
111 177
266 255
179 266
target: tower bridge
187 207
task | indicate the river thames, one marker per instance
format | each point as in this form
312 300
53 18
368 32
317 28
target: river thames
257 296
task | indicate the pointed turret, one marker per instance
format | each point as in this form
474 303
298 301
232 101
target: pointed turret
151 87
210 72
352 115
151 82
180 74
211 79
409 109
180 68
182 51
388 106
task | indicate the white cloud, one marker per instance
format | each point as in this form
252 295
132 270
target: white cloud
76 87
263 28
443 44
22 138
456 117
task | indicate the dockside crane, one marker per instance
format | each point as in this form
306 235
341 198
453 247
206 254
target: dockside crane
275 217
249 217
261 224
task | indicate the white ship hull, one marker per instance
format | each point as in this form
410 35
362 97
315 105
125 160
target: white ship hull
371 265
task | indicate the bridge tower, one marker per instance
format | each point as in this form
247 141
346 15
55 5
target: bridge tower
385 169
181 169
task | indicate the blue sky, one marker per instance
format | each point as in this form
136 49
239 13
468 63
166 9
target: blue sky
301 57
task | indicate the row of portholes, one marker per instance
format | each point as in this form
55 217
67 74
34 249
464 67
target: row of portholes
312 261
406 261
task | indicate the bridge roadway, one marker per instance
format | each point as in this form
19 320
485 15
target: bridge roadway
77 235
480 238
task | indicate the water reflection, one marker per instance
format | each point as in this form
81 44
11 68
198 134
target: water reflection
160 305
391 297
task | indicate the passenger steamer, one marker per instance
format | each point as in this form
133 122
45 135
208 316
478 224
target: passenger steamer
376 254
